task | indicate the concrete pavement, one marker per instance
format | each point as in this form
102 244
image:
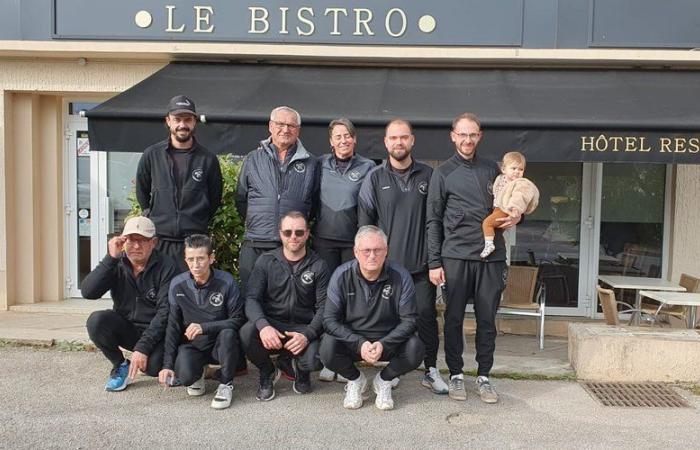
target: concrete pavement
54 399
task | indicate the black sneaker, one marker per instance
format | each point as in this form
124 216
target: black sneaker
266 390
302 384
286 366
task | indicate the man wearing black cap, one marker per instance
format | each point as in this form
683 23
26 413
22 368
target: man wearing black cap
178 182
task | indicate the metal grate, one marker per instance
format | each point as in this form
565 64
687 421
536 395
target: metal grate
635 395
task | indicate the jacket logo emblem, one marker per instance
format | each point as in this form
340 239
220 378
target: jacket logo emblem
423 187
387 291
307 277
354 175
385 188
216 299
151 294
489 187
299 167
197 175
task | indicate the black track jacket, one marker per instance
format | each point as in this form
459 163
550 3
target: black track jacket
399 210
142 301
177 217
215 306
357 312
460 198
273 292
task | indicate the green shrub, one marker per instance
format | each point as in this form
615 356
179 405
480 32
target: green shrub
227 227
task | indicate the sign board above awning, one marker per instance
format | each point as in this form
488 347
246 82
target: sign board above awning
550 115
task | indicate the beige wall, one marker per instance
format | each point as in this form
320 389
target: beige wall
685 240
31 166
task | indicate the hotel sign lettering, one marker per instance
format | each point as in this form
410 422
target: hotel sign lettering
404 22
641 144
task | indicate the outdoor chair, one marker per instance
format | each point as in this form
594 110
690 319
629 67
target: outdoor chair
610 307
649 306
519 296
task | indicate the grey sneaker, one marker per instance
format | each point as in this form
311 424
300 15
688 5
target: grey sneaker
433 381
326 374
223 397
197 388
456 388
487 393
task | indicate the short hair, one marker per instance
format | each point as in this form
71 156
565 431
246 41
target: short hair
288 109
200 241
513 157
467 116
343 121
370 229
398 120
294 215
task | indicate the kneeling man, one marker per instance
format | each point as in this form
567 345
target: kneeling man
206 312
285 295
370 315
137 277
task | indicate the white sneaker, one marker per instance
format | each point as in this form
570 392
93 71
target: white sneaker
433 381
394 383
197 388
326 374
353 392
222 399
383 390
340 379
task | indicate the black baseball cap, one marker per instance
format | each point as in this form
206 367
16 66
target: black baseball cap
181 105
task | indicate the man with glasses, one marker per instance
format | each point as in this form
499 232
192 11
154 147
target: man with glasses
370 316
178 182
393 197
285 297
460 197
138 278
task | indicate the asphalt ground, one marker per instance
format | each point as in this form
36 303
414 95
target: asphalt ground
55 399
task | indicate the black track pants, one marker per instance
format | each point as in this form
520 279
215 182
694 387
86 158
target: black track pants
260 356
204 349
427 318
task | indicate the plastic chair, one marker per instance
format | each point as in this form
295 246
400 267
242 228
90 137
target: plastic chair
519 296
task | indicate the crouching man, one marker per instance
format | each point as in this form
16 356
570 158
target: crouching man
206 312
285 295
370 315
138 278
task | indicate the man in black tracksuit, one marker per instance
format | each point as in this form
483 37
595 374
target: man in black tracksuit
206 312
284 303
178 182
370 315
138 277
460 197
393 197
280 176
342 172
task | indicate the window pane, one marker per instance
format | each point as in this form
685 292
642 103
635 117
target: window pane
121 175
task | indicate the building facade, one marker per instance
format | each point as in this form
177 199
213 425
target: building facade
598 96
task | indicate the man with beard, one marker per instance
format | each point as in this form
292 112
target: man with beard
393 197
178 182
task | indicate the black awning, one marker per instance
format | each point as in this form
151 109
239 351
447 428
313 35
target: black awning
550 115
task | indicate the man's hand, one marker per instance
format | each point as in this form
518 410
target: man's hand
166 377
138 362
115 246
297 342
437 276
271 338
371 351
507 222
377 349
193 330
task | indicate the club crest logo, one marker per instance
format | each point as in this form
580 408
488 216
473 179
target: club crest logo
152 294
299 167
197 175
423 187
354 175
216 299
307 277
387 291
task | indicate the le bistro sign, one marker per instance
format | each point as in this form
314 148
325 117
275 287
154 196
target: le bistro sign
393 22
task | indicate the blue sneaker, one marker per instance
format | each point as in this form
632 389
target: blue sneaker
118 379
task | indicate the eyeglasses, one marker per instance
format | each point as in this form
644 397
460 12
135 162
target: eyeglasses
139 241
471 136
297 233
291 126
368 251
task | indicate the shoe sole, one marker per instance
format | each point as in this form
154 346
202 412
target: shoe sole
220 406
490 401
196 392
274 381
458 398
432 389
118 388
294 388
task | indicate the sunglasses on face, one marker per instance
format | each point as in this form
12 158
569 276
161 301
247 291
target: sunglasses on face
297 233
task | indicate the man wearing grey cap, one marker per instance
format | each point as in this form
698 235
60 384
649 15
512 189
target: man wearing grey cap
138 278
178 182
